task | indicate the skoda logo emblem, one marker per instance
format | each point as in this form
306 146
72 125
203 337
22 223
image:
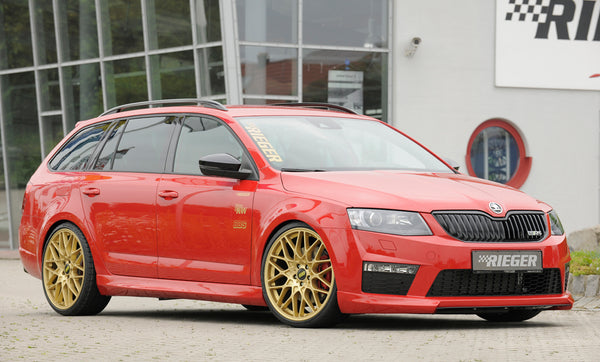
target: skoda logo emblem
495 207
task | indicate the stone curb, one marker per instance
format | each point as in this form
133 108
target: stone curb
584 285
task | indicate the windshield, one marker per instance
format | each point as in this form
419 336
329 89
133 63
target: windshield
332 144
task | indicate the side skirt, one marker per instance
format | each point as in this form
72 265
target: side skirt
117 285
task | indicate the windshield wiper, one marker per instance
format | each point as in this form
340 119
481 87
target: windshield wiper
289 169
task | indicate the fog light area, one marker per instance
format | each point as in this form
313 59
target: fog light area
390 268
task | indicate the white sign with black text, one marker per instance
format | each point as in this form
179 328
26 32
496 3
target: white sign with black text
548 44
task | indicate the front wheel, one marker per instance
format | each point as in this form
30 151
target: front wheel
517 315
298 279
68 273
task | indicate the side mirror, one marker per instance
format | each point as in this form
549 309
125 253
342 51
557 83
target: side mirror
224 165
452 163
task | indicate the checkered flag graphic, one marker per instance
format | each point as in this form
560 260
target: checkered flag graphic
484 259
531 10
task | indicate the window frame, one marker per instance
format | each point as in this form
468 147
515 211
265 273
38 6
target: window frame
170 162
523 168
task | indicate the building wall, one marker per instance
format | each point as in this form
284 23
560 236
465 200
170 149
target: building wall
447 89
55 70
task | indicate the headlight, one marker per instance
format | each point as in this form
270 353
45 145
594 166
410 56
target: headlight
555 224
388 221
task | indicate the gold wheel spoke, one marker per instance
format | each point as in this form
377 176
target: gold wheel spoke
51 271
281 297
67 295
77 283
286 260
294 299
283 302
73 288
277 277
315 298
298 246
277 267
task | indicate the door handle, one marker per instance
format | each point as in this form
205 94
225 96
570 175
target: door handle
168 195
91 192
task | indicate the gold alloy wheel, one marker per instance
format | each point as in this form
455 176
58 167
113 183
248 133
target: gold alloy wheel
63 269
298 275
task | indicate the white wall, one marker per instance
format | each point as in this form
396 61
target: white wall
447 89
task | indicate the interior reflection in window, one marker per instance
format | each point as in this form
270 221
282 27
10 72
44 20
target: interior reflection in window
201 137
495 155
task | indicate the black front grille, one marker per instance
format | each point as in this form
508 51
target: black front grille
466 283
481 227
386 283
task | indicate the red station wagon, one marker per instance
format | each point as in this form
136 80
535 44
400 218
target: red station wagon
308 209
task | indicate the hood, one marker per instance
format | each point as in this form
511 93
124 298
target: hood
409 191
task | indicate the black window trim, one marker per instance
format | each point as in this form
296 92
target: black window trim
179 119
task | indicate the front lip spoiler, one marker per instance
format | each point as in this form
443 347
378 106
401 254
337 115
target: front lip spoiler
472 310
350 302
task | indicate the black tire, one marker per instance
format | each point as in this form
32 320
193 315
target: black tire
298 282
255 308
68 273
516 315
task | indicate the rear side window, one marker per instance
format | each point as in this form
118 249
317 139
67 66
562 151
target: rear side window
75 153
140 145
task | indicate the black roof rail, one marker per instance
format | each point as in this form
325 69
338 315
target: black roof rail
316 105
201 102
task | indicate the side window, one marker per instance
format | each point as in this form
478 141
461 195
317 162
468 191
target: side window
200 137
140 145
75 153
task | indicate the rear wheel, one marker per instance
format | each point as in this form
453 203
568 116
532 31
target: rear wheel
68 273
298 279
517 315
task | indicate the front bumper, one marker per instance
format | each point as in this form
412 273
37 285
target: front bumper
434 254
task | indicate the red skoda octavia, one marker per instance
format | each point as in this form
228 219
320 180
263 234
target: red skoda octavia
308 209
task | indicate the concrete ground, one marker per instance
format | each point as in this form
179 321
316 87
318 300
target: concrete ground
147 329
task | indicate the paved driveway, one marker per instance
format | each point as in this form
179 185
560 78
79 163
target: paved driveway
146 329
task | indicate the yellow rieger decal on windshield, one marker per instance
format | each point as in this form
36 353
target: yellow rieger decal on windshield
263 143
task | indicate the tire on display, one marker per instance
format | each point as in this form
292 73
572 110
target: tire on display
68 273
517 315
298 280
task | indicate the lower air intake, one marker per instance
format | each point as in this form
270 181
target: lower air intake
465 283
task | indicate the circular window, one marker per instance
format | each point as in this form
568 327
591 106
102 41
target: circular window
496 152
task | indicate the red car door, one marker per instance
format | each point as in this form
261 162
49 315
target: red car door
119 194
204 222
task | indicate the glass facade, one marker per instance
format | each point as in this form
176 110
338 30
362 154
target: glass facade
334 51
68 60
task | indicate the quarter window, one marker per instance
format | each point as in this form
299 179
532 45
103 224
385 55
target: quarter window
75 154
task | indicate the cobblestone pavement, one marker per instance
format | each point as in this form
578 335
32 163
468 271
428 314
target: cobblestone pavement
148 329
